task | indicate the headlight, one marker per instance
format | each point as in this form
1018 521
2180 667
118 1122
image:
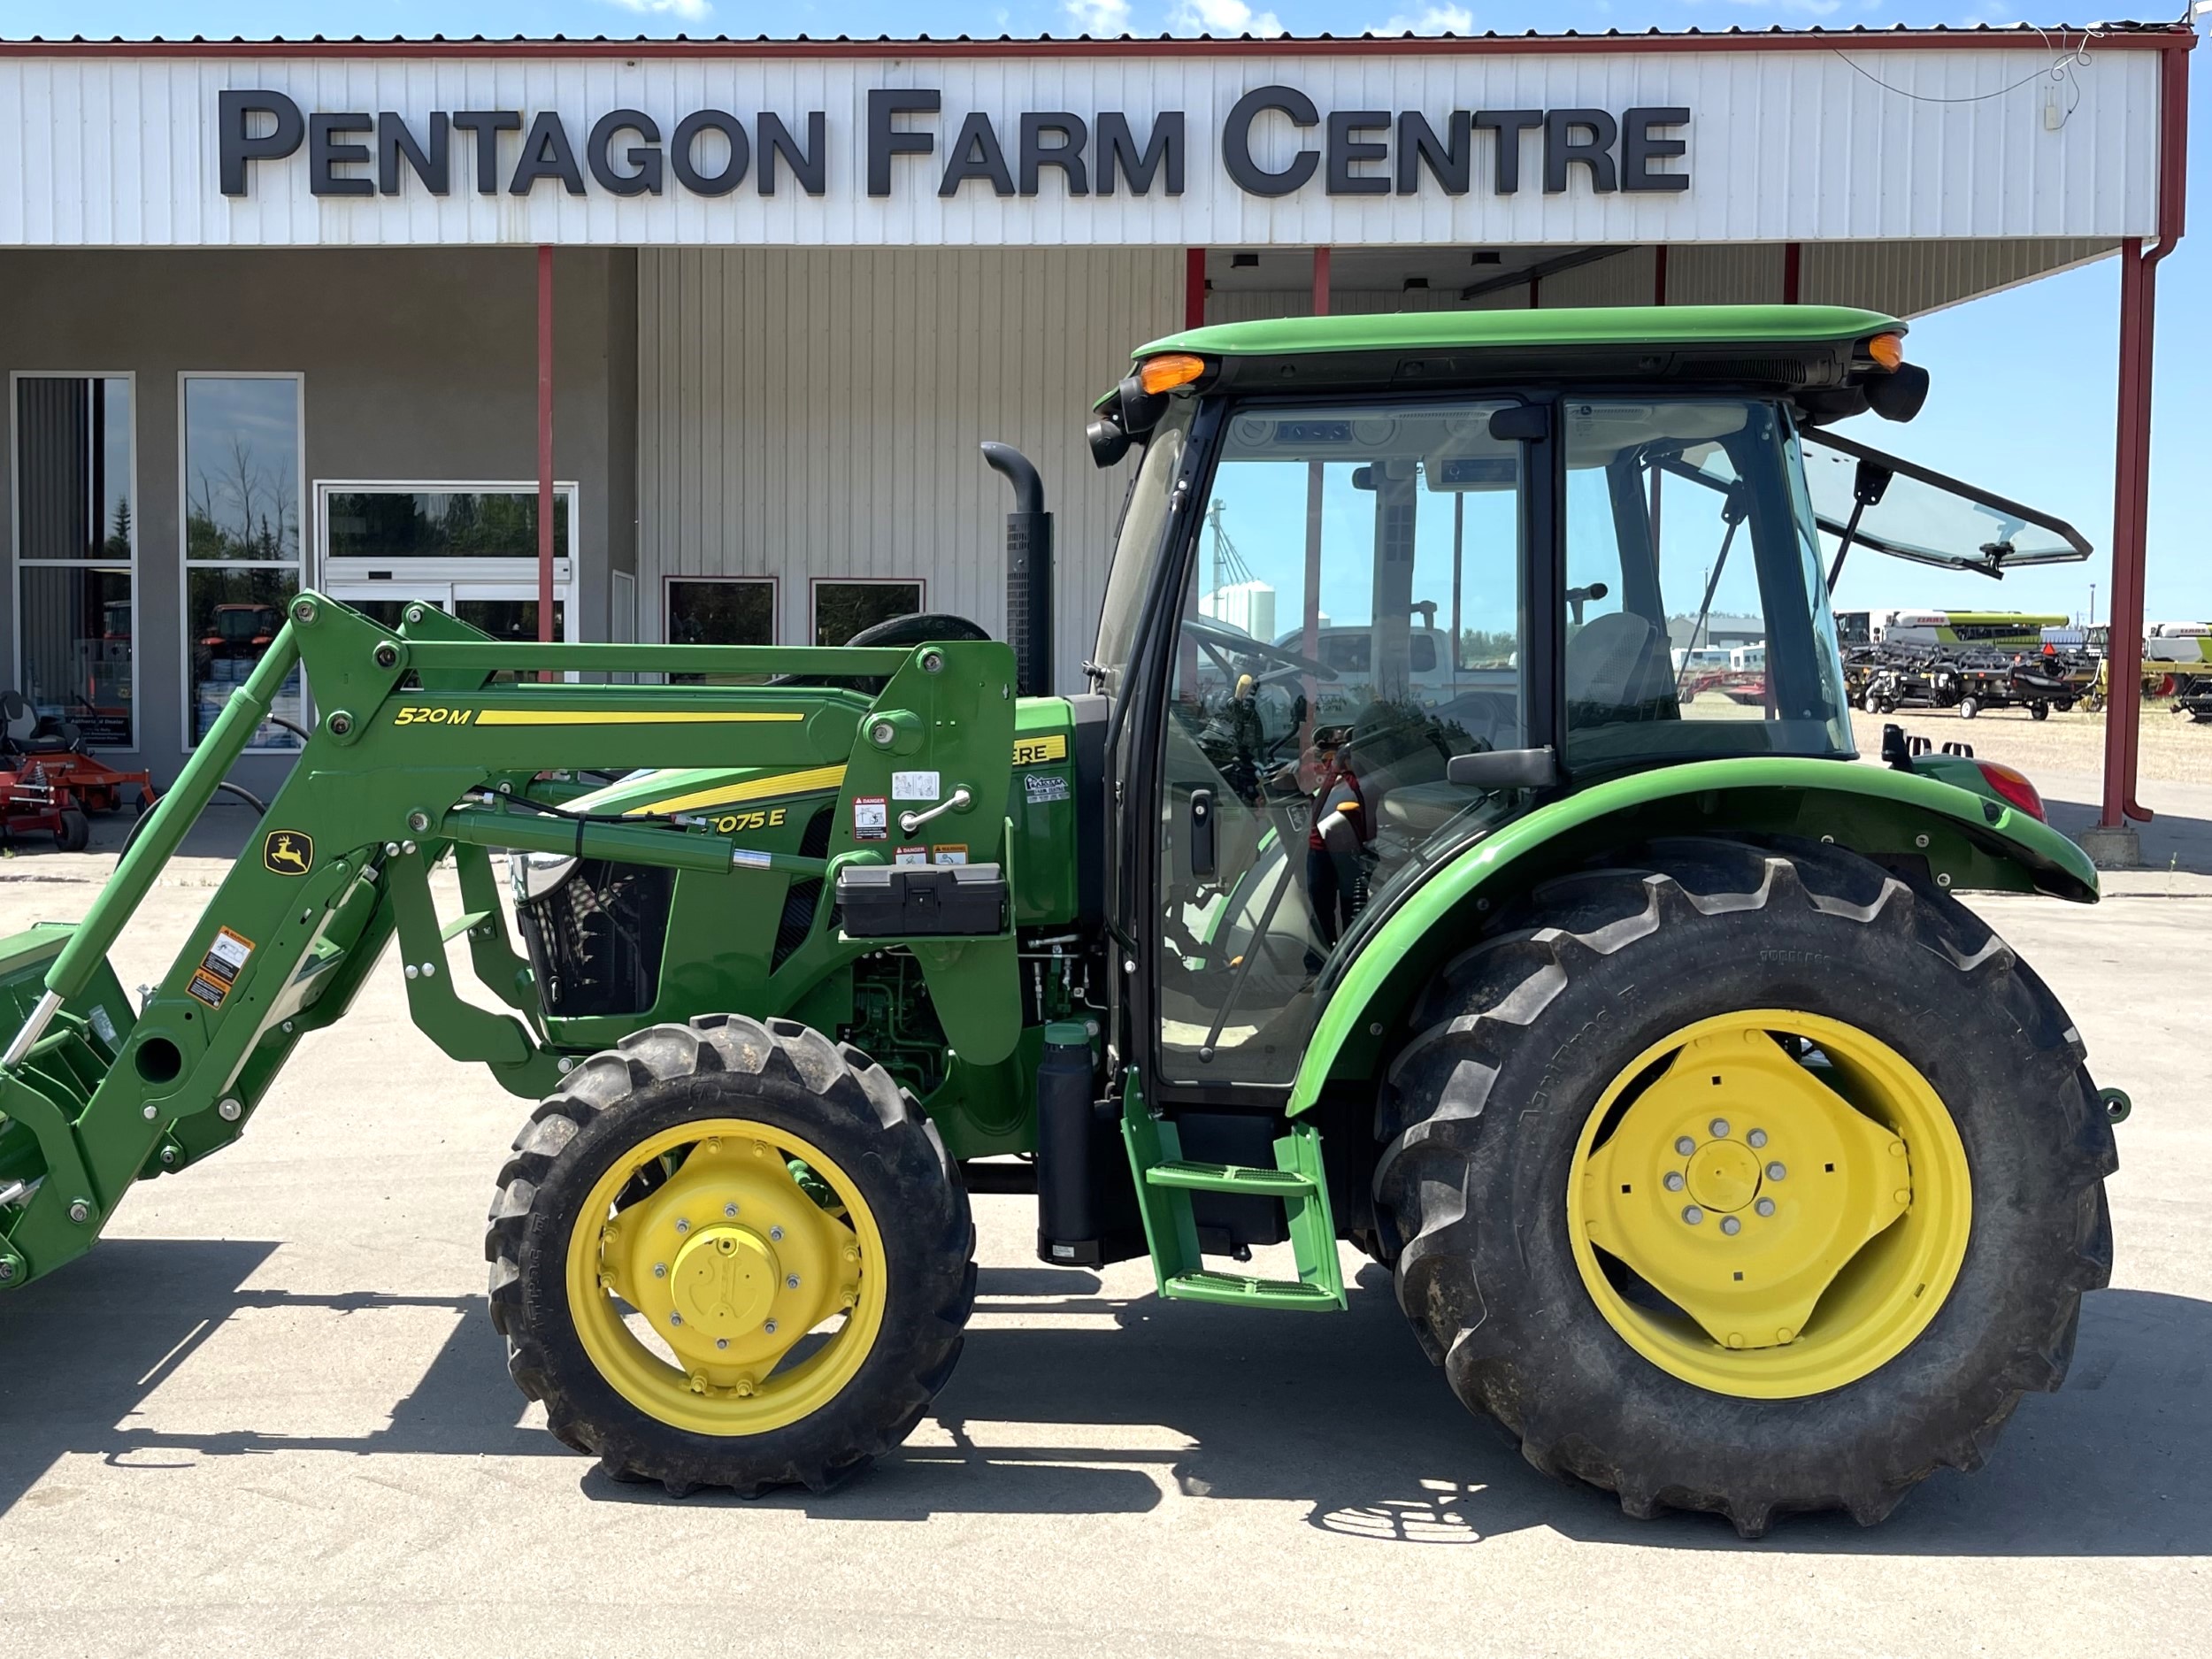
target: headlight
536 875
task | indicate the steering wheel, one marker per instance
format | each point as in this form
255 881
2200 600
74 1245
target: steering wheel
1222 638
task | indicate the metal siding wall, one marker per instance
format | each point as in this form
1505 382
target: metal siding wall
1913 279
117 151
816 413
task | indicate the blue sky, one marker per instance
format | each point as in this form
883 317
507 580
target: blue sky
2024 387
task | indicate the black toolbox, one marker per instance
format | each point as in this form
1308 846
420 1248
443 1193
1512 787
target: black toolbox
921 900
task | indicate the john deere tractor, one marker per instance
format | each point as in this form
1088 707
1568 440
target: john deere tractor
1385 887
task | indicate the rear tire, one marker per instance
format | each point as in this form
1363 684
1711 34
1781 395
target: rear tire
2038 711
1590 972
1968 707
793 1082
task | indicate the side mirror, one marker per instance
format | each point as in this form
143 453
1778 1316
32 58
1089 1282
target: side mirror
1898 395
1109 443
1140 410
1504 769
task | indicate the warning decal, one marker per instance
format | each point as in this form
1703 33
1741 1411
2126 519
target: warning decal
218 970
871 818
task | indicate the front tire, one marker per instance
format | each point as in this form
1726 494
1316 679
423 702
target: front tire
730 1254
1591 999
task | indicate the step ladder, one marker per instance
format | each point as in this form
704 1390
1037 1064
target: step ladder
1165 1181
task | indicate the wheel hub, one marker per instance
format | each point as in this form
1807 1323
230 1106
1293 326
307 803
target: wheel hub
732 1262
1739 1185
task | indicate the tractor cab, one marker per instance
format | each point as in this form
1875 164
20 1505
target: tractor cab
1384 584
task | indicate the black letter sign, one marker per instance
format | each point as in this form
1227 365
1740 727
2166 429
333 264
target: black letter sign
231 110
1640 148
886 141
1236 142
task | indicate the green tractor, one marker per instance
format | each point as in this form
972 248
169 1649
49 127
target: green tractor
1383 889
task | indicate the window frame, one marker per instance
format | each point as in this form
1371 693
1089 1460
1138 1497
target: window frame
15 530
774 584
487 568
187 565
814 585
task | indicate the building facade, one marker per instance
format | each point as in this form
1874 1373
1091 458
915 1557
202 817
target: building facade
270 313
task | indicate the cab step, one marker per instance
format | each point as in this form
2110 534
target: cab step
1229 1177
1165 1181
1236 1290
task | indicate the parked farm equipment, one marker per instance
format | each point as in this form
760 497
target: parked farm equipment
1604 1025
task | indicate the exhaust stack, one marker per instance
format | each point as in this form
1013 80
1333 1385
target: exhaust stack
1028 570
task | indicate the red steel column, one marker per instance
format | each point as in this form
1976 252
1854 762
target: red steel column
1793 267
1194 288
545 443
1659 274
2131 457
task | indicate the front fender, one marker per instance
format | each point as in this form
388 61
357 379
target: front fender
1967 842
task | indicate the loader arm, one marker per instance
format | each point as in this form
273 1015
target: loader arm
432 742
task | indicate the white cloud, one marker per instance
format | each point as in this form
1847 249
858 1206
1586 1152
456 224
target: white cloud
689 11
1222 16
1431 20
1100 17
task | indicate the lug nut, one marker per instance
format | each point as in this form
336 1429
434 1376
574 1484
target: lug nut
1719 1127
770 1327
1757 1137
1692 1214
675 1318
776 1234
1674 1182
1730 1225
660 1269
729 1209
682 1225
792 1283
1776 1171
1684 1145
1765 1206
721 1341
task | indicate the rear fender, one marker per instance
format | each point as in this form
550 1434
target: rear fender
1966 841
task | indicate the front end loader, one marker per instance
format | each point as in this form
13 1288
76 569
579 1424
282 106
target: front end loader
1388 886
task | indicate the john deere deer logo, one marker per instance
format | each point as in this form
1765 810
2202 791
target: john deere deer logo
288 852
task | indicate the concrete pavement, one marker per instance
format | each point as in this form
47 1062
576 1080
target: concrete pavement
268 1414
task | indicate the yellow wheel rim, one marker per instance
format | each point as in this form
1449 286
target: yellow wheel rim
1801 1214
755 1266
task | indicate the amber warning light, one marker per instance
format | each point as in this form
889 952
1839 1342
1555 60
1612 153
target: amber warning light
1165 373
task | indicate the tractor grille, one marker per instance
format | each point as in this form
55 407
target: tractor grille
803 898
595 940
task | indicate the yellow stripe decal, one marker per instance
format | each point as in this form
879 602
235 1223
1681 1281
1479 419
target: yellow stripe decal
1034 751
753 789
628 717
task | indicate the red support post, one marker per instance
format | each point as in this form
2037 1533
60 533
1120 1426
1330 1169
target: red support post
1194 288
1320 281
2131 450
1793 268
1659 274
545 443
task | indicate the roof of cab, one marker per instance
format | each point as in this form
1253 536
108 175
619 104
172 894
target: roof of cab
1566 326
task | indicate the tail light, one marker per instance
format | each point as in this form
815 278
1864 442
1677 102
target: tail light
2015 787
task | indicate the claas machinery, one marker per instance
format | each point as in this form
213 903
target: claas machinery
1714 1147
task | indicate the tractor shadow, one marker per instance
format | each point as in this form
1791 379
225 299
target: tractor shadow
1069 1400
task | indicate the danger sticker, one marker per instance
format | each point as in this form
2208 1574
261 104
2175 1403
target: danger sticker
911 856
871 818
1041 787
914 786
228 955
956 854
208 989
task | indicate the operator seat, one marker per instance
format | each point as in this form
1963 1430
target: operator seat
1619 670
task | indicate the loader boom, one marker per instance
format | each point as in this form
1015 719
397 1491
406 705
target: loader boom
434 743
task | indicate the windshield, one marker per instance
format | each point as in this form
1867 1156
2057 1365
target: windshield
1144 517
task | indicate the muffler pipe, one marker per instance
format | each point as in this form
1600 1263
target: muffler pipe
1028 570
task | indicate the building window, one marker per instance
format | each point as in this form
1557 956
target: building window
720 610
470 548
843 608
76 552
241 486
